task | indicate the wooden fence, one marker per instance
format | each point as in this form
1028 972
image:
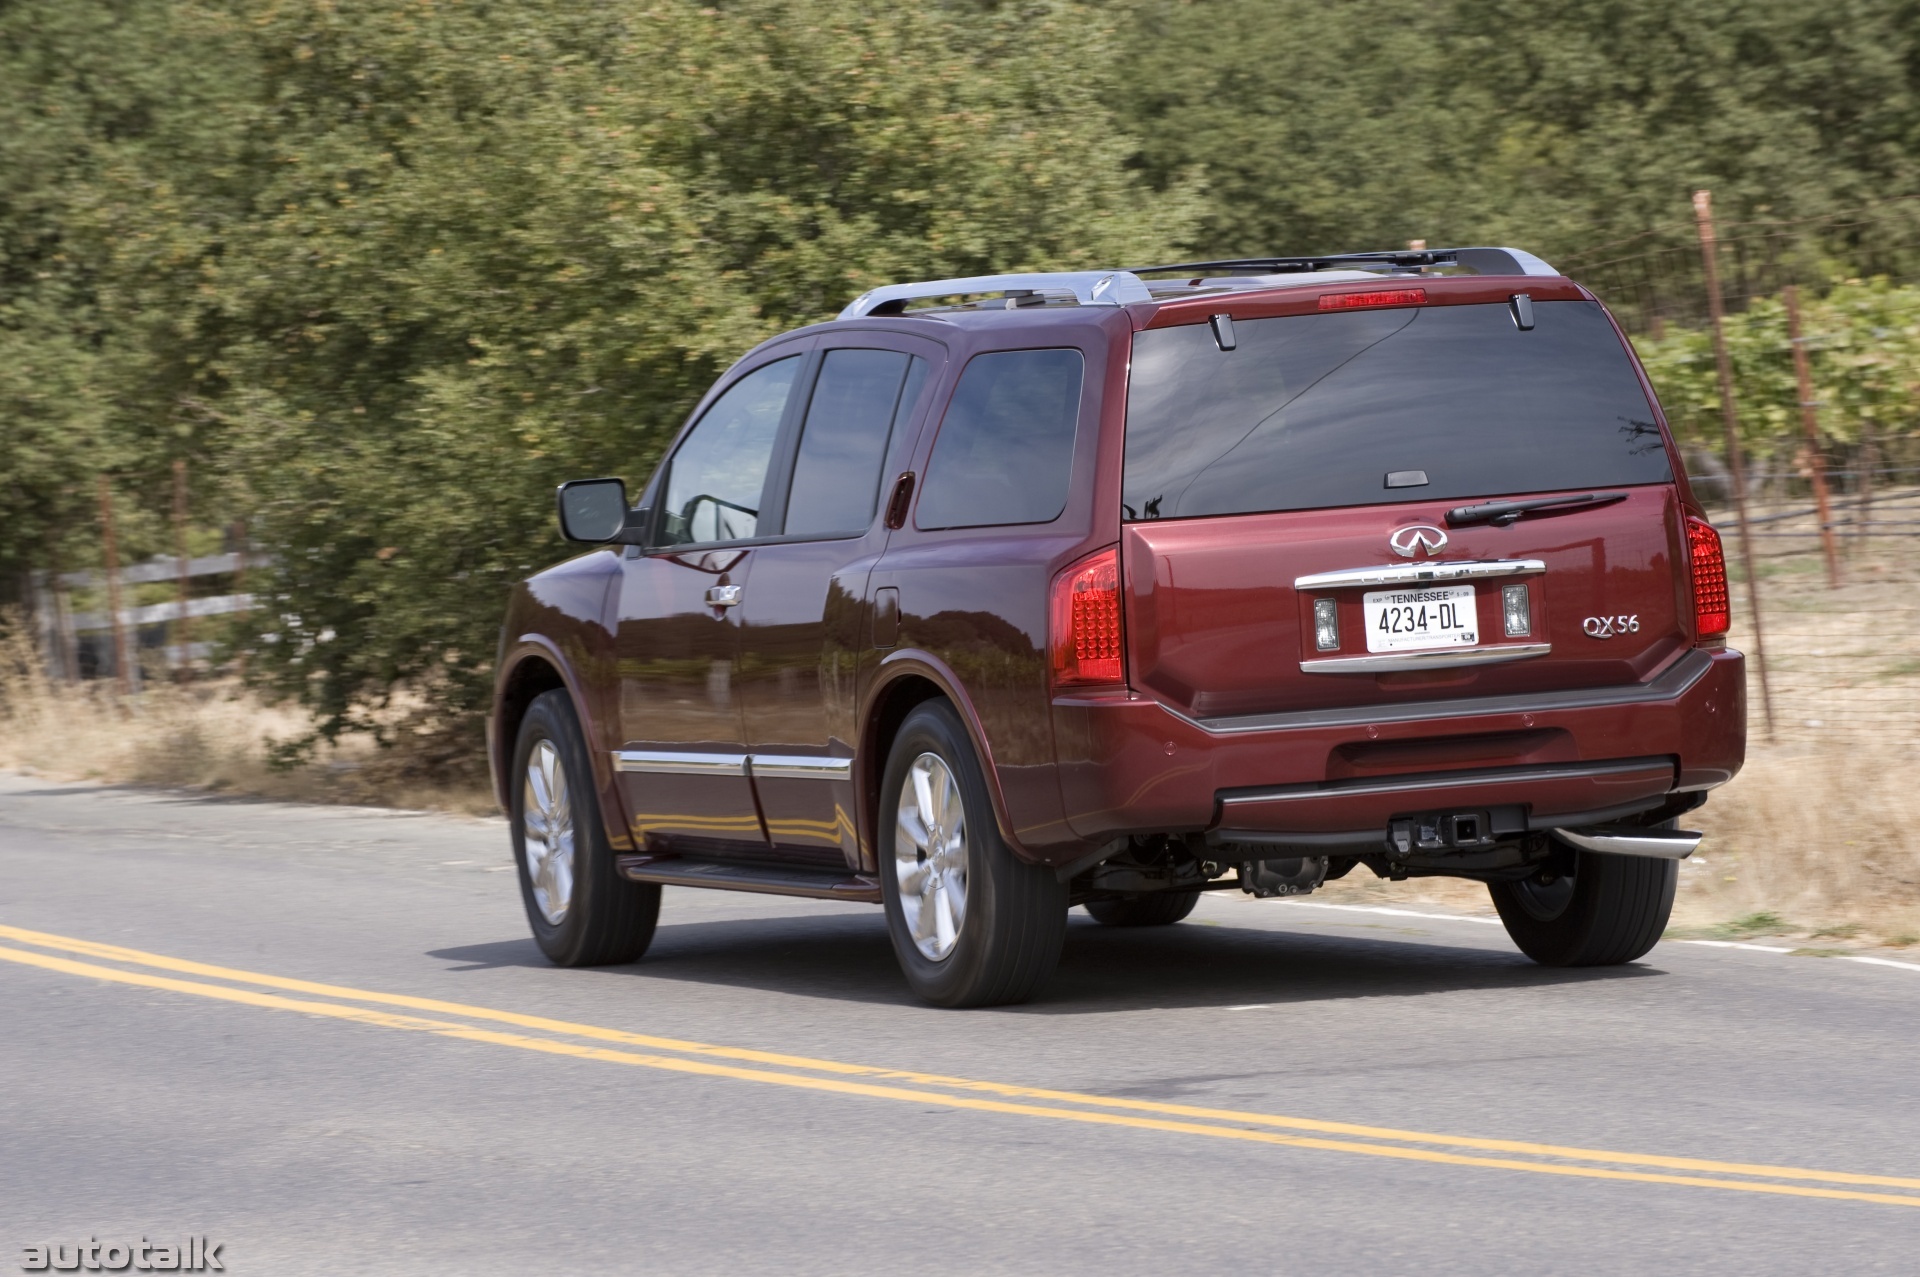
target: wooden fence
85 644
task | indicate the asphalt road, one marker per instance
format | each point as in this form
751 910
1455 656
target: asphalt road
321 1039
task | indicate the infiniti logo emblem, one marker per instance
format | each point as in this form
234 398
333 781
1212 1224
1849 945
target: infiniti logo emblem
1409 541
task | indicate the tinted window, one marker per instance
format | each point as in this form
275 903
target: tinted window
713 485
1005 450
1315 410
836 475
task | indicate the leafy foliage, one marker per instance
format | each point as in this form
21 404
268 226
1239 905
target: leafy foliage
1558 126
418 263
1863 352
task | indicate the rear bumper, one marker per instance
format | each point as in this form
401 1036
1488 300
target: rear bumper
1130 765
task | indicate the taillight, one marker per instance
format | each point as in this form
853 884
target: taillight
1086 621
1388 297
1712 611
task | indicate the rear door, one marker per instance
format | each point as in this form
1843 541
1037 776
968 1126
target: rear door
805 636
1288 544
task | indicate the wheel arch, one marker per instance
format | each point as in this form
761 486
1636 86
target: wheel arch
532 668
534 673
907 680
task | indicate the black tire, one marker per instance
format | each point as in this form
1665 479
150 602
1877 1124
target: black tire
1014 918
607 919
1611 910
1153 909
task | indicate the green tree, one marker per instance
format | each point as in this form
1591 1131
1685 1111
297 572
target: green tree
418 263
1556 126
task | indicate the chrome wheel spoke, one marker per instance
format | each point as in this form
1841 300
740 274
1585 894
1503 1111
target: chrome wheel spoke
955 885
923 793
914 875
944 929
913 829
948 802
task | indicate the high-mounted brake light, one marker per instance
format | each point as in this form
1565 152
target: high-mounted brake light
1712 609
1391 297
1085 638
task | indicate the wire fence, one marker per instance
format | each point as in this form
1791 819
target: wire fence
1839 616
1843 661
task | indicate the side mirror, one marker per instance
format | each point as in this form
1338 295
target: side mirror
593 510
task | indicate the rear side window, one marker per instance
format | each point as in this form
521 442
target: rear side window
857 400
1313 411
1004 453
714 481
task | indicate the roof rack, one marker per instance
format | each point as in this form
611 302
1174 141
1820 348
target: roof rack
1122 287
1089 288
1481 261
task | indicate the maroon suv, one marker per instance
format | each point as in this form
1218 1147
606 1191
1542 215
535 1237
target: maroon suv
996 596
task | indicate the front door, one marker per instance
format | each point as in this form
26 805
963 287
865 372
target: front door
683 760
805 638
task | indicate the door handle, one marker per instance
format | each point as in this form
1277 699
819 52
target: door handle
897 503
723 595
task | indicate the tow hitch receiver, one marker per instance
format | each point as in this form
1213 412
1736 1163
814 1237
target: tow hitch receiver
1450 831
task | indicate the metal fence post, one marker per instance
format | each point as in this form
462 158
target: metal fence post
182 625
120 663
1703 218
1810 422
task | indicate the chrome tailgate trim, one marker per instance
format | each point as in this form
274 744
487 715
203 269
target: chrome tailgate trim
1439 658
1420 573
1670 684
1417 782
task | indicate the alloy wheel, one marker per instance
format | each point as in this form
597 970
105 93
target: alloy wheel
547 825
930 856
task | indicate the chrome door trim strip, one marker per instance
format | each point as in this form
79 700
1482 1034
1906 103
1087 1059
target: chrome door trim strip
1443 659
799 767
1420 573
1670 684
1418 781
673 762
669 762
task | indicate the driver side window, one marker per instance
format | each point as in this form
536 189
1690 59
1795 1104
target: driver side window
714 482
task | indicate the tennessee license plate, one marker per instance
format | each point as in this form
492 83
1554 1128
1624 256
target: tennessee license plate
1406 620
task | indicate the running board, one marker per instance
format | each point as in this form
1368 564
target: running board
1626 840
774 880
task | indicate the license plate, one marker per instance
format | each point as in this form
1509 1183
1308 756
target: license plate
1404 620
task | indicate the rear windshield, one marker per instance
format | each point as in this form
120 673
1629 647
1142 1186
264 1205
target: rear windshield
1313 411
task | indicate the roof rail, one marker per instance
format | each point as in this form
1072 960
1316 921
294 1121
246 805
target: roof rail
1089 288
1482 261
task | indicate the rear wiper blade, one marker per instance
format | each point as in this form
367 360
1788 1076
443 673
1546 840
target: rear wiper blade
1501 513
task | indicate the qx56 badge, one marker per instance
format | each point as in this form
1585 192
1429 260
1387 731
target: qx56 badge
1604 627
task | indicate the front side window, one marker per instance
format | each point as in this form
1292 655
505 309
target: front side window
714 480
858 400
1004 453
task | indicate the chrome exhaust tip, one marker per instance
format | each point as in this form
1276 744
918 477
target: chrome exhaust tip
1629 840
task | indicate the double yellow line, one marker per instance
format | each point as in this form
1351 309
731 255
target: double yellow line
590 1042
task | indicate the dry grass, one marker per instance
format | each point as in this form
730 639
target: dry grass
1810 840
1822 836
211 736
